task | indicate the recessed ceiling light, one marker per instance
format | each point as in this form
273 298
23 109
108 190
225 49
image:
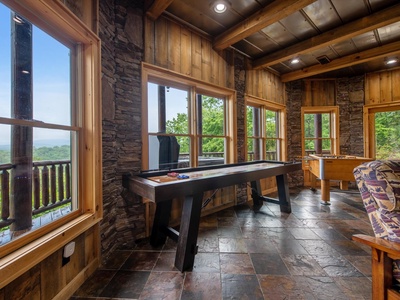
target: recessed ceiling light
295 61
391 61
220 6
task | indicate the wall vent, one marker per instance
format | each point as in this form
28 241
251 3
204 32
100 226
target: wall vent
323 60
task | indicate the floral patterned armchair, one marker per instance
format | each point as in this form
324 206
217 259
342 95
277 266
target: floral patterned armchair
379 185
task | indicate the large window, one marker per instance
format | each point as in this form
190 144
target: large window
320 130
37 135
187 124
382 131
50 165
264 125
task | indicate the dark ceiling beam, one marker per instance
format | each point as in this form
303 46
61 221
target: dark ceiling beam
346 61
157 8
266 16
379 19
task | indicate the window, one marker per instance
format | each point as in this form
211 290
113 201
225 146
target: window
187 123
320 128
382 129
264 125
49 117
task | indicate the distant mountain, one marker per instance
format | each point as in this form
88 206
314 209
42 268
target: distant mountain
42 143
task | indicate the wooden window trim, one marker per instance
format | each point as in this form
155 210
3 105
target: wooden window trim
57 20
158 75
334 112
273 106
369 124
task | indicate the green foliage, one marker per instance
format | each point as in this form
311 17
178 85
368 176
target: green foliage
310 131
212 124
41 153
387 133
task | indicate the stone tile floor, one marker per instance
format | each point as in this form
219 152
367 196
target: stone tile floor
307 254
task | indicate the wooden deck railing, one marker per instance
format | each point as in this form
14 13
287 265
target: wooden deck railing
51 184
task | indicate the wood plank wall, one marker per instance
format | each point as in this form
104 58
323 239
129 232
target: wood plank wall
382 87
177 48
264 85
49 279
319 93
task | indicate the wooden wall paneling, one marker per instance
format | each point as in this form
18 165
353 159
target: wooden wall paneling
77 259
149 41
222 69
174 47
186 52
26 286
161 40
206 60
269 87
230 76
196 56
307 100
217 201
385 87
372 88
395 85
91 245
250 78
52 275
2 294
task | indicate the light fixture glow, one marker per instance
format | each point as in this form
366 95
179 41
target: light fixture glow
295 61
18 19
391 61
220 6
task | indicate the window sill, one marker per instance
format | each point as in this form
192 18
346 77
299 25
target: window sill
23 259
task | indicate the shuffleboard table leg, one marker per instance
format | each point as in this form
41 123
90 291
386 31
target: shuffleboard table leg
188 232
283 193
256 195
161 220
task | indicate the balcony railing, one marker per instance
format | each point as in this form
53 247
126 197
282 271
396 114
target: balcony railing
51 187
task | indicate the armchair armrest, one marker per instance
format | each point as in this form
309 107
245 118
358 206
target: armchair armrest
383 253
377 243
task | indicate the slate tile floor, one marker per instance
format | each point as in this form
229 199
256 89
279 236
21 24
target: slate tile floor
307 254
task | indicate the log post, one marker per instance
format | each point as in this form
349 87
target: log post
21 136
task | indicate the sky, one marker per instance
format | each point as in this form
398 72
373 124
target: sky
51 81
176 102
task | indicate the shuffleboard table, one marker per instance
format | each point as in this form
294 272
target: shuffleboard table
161 187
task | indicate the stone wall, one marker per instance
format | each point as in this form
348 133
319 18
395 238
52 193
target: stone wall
240 87
350 99
294 97
121 32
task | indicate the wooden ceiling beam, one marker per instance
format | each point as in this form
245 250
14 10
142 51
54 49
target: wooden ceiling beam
379 19
157 8
268 15
346 61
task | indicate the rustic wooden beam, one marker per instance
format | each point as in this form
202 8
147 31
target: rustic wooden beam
346 61
379 19
268 15
157 8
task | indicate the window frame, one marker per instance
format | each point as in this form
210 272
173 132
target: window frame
155 74
280 109
16 257
334 125
369 124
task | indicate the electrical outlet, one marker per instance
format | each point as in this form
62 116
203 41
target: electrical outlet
69 249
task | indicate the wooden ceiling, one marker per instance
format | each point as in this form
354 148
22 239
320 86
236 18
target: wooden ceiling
331 38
